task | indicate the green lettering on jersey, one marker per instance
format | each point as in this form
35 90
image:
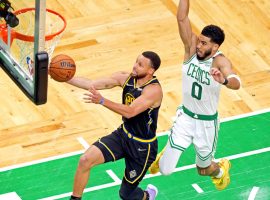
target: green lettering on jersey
199 74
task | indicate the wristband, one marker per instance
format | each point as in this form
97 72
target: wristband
225 82
101 101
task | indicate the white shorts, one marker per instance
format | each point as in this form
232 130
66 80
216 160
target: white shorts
203 134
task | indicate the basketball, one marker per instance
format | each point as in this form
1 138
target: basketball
62 68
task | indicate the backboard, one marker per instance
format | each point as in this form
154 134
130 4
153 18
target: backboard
28 37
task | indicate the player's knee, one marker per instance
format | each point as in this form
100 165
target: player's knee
85 163
166 170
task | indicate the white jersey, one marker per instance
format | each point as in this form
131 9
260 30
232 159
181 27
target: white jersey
200 90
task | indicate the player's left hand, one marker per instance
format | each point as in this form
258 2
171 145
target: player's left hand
93 96
217 75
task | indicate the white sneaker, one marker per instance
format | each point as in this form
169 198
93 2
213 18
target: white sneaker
152 191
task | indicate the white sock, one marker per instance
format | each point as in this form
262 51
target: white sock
220 173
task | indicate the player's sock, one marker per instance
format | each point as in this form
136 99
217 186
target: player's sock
220 173
75 198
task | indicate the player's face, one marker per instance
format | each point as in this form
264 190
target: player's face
142 67
204 47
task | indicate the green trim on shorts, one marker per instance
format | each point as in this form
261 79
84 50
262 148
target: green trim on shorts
213 146
199 116
175 146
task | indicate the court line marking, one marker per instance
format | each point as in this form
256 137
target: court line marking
253 193
41 160
197 188
245 115
232 157
82 151
114 176
83 142
10 195
98 187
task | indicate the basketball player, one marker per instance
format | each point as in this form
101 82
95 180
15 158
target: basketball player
135 139
205 69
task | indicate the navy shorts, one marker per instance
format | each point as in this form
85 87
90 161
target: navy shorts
138 155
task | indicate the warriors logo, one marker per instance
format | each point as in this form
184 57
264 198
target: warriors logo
129 99
132 173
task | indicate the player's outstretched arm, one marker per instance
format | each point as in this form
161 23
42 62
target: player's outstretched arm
151 97
188 38
223 73
116 79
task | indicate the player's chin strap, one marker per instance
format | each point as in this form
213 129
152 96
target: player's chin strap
234 76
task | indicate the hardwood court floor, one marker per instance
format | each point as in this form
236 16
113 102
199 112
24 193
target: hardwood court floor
106 36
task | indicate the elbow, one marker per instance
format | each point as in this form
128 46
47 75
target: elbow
235 87
127 116
180 18
181 15
130 113
234 83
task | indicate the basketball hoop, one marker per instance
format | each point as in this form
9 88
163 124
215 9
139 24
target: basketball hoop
50 36
23 48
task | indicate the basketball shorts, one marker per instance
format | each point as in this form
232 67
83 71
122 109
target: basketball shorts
202 133
138 155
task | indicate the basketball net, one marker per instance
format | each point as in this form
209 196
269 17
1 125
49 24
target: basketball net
21 38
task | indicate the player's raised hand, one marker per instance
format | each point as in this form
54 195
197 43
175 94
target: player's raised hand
217 75
93 96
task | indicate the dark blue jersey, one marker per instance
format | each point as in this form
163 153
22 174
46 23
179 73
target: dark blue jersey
143 125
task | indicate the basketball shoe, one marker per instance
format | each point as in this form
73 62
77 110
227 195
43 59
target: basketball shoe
154 168
152 191
224 181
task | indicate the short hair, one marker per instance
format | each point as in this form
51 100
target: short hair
215 33
153 57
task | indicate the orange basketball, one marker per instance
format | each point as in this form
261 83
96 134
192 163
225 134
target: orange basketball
62 68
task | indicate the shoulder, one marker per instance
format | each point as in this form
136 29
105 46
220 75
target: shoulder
221 61
153 88
153 93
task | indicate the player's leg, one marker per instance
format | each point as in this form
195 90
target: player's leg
139 158
222 179
219 173
106 149
93 156
205 142
179 139
130 191
169 159
211 169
